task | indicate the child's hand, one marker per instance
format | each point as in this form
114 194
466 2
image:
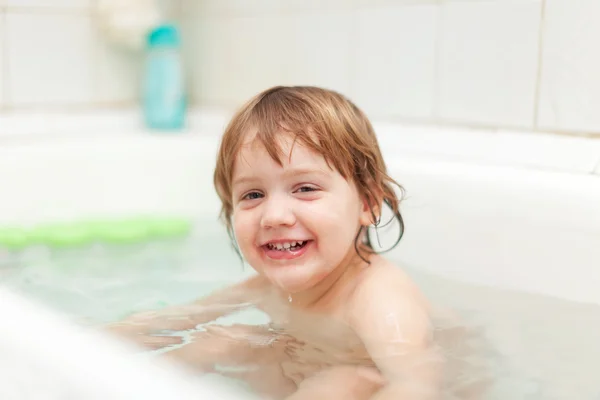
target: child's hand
154 321
264 346
138 334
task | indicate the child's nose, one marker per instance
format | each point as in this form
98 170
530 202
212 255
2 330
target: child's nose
276 213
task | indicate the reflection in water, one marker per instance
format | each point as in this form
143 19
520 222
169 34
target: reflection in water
275 359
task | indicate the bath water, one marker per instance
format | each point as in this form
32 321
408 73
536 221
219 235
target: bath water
543 348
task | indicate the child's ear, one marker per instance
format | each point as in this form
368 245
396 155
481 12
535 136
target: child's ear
370 211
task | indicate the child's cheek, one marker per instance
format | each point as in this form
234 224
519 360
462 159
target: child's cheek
242 230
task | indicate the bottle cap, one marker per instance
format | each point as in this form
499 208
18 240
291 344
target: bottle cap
166 35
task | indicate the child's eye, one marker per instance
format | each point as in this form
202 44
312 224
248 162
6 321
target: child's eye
304 189
252 196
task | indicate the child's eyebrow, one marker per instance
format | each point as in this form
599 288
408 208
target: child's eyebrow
291 172
301 171
244 179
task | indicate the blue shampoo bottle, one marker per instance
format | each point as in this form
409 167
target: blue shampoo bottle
164 99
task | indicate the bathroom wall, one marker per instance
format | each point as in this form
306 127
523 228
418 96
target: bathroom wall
53 56
524 64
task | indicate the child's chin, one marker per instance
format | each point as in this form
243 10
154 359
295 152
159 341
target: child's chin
291 281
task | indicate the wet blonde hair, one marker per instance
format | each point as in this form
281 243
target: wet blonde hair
325 122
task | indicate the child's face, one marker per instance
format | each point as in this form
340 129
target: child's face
297 222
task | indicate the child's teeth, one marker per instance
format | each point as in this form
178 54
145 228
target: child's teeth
286 245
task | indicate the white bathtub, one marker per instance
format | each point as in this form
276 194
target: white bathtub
506 210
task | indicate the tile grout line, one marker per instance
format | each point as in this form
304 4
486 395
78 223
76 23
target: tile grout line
96 55
437 50
540 61
5 64
352 53
48 10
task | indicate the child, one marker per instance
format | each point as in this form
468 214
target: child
301 179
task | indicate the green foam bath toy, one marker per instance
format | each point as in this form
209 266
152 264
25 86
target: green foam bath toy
82 233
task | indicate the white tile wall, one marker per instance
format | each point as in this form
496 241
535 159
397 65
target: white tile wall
394 59
261 7
234 7
192 23
2 59
236 57
117 73
49 3
318 49
570 90
55 55
470 62
317 6
385 3
49 58
488 62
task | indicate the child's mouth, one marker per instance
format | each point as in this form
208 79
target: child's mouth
286 250
287 246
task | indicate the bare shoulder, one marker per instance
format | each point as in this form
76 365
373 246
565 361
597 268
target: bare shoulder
383 280
385 295
393 320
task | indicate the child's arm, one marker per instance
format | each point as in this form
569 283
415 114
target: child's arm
176 318
395 326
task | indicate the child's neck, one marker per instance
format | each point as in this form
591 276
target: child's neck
338 278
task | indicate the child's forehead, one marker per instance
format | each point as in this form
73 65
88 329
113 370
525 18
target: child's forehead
287 147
